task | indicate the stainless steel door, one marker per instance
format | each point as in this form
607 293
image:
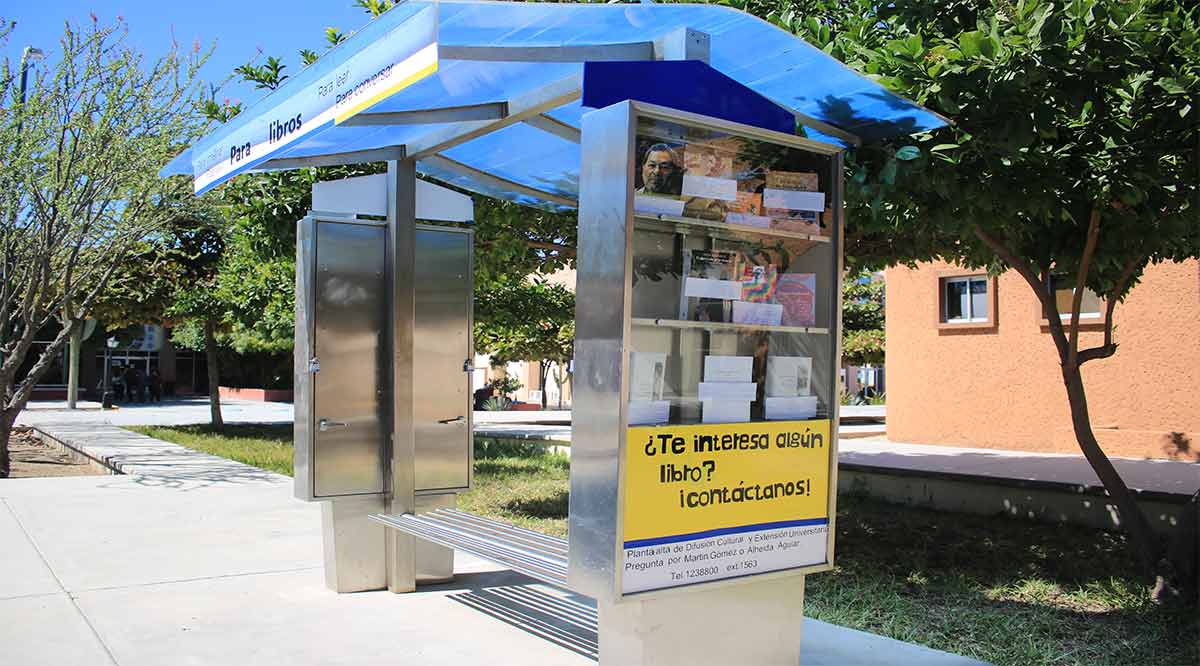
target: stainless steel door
349 423
442 348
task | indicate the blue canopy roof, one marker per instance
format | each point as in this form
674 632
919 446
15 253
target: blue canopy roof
486 94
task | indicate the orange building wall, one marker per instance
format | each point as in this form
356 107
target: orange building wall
1000 387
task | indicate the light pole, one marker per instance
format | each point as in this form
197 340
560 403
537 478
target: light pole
106 398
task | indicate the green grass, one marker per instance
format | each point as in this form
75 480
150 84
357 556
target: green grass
1010 592
265 446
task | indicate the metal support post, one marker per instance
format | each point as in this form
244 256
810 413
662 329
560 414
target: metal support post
402 212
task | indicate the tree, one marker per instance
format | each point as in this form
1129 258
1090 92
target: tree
527 320
862 319
79 163
1073 159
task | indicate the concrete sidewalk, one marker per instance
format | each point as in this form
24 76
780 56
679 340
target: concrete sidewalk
194 559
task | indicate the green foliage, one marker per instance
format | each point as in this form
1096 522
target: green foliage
862 319
505 385
1060 111
497 404
525 320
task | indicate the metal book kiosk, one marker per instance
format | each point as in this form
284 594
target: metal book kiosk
703 452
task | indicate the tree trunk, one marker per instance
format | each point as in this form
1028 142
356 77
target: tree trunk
214 377
1141 536
5 435
73 369
543 368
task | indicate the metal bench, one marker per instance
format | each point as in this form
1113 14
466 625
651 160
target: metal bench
531 553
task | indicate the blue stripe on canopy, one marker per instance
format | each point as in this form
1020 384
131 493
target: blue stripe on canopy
766 59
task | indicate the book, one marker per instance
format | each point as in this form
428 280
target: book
797 293
738 391
769 314
649 412
800 181
647 374
724 411
728 368
790 409
702 159
759 283
789 376
711 279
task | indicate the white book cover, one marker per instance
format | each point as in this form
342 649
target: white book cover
707 187
649 412
789 376
725 411
790 409
793 200
652 205
647 374
728 368
745 312
728 391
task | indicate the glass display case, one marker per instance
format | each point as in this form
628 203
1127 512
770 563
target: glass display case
733 278
703 447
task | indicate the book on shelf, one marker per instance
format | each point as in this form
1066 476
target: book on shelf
647 375
797 293
790 409
728 368
711 280
789 376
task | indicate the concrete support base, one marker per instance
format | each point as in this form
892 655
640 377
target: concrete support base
355 558
362 555
744 623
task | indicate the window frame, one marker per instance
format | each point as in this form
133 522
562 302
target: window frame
1087 321
986 322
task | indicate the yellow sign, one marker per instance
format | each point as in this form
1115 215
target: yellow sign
717 501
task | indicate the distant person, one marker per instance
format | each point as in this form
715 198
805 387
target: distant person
154 383
133 384
118 383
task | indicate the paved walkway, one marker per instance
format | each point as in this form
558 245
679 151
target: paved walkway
172 412
1149 476
193 559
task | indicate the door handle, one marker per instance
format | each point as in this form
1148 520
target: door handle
325 424
457 419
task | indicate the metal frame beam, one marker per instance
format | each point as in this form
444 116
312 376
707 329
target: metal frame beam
563 53
520 108
443 162
334 159
825 128
450 114
554 126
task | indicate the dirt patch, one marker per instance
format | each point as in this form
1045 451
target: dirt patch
30 457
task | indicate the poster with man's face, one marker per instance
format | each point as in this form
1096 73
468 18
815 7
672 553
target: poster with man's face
660 170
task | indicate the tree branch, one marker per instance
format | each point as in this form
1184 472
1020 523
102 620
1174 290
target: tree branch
1085 265
1109 347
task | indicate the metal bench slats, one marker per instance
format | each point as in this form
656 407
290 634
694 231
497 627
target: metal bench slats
531 553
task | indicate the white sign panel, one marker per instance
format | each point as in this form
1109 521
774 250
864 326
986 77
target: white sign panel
384 67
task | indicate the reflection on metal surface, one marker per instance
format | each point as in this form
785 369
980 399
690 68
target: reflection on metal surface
441 340
349 302
601 326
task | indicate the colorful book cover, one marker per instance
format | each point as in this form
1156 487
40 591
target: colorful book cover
800 181
797 292
759 283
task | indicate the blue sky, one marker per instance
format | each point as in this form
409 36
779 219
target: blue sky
236 27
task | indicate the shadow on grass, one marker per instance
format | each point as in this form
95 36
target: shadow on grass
553 506
998 589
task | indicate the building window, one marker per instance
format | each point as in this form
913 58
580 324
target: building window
1091 306
965 300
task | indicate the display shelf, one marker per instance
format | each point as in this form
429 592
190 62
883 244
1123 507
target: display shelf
725 326
676 224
